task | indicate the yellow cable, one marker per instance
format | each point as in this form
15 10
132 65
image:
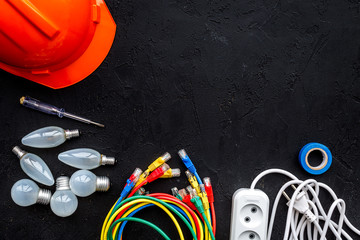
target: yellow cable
191 218
168 201
103 232
207 214
105 221
148 201
167 174
194 183
206 232
187 213
154 165
125 215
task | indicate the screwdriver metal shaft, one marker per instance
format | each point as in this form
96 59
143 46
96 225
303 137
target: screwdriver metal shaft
50 109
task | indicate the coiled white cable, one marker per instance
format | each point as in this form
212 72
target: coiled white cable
306 215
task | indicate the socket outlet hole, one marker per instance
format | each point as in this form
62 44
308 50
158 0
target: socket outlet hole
249 235
251 216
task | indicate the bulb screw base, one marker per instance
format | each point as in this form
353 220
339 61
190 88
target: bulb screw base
62 183
102 184
44 196
107 160
71 133
18 152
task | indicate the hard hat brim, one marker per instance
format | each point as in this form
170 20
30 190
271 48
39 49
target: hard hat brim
82 67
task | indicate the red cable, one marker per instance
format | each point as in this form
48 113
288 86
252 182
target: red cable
137 188
152 177
213 216
131 193
165 196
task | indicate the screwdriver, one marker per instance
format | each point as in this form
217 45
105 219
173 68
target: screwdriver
50 109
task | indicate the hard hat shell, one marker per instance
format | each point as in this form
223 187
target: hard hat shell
54 42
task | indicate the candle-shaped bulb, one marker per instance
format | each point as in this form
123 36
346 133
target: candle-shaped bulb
85 158
34 167
48 137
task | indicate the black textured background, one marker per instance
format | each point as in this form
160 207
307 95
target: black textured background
241 85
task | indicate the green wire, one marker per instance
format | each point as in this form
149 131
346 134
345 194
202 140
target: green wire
163 203
117 232
208 226
136 220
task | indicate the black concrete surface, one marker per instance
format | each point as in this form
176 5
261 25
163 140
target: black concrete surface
241 85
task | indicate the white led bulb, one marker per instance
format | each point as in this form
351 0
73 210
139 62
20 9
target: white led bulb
34 167
63 202
26 192
85 158
48 137
84 183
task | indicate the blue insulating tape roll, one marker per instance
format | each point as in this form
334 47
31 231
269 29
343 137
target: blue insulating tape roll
324 165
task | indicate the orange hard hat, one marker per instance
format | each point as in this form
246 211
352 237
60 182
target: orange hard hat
54 42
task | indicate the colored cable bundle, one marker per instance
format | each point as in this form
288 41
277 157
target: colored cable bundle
193 206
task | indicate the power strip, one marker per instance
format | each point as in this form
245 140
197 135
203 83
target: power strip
306 217
249 215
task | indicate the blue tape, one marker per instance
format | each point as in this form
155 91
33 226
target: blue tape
324 165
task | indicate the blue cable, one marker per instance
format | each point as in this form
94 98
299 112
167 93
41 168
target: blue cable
129 185
198 178
141 208
189 164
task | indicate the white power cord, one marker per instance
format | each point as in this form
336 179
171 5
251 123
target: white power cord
306 214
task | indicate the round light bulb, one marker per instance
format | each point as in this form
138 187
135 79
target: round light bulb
26 192
63 202
48 137
84 183
85 158
34 167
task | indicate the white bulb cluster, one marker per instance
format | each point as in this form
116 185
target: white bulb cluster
82 183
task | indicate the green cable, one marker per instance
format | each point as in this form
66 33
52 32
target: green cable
117 232
163 203
208 226
136 220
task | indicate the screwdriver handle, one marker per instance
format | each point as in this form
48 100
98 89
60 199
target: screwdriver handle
42 107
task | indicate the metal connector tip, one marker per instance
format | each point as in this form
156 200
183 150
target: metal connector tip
141 191
166 156
286 196
18 152
175 191
102 184
182 192
192 191
189 189
207 181
165 167
62 183
188 174
202 187
182 153
71 133
44 196
107 160
137 172
175 172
